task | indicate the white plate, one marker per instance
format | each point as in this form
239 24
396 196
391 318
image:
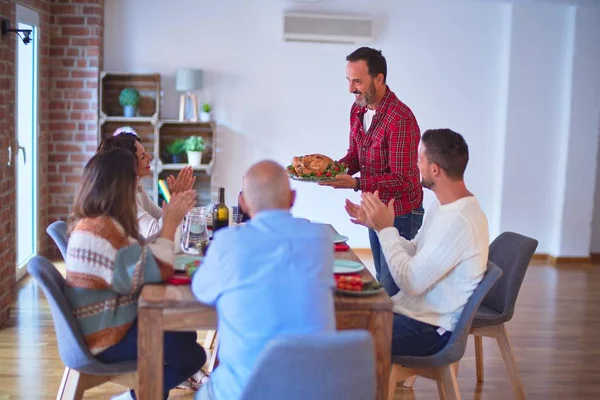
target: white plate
313 179
346 267
339 238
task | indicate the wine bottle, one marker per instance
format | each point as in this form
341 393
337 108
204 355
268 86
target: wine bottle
220 212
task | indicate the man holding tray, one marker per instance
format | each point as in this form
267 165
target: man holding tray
384 139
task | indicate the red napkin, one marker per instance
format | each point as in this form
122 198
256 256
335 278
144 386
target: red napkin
341 246
180 279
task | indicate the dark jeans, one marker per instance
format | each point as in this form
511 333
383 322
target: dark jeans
415 338
407 225
183 357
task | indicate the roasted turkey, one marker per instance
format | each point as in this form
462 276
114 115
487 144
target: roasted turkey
311 163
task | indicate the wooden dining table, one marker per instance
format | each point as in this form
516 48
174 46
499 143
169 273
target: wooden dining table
167 307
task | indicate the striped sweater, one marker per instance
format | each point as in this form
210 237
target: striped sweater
105 272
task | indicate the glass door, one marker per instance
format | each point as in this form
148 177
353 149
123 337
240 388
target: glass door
27 139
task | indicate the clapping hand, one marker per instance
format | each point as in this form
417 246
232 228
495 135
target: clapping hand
180 204
174 211
357 215
378 216
184 181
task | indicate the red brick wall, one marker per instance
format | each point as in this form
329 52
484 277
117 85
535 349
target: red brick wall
75 61
44 118
7 192
70 58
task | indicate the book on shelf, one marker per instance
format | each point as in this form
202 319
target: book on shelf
164 190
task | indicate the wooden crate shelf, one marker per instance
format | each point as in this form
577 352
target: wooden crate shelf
112 83
145 130
155 133
203 186
168 131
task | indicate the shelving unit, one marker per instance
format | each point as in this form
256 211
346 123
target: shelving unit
167 132
155 133
111 85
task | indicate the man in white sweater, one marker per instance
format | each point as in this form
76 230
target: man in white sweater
440 268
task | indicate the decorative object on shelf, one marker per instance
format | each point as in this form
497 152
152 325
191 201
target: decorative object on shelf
125 129
176 150
6 29
194 146
188 80
205 113
164 190
129 99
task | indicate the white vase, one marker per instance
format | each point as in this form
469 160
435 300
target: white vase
194 158
204 116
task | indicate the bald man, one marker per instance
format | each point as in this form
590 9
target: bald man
269 277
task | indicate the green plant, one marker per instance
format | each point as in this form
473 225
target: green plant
129 97
206 108
177 147
195 143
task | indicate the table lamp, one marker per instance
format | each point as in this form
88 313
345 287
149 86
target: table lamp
188 80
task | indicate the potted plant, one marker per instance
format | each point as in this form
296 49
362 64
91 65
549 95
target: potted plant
194 145
129 99
205 112
176 149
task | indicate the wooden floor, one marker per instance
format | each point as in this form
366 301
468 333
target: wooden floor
555 335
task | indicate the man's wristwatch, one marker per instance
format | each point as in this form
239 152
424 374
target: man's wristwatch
357 187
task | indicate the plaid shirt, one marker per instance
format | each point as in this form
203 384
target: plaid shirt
386 155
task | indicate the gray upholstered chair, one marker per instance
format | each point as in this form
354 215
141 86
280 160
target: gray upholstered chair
337 365
83 371
443 365
58 232
511 252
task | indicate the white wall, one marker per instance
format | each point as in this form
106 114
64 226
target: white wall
534 126
584 129
480 68
552 126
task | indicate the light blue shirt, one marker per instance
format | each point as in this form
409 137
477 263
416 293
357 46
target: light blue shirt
270 277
